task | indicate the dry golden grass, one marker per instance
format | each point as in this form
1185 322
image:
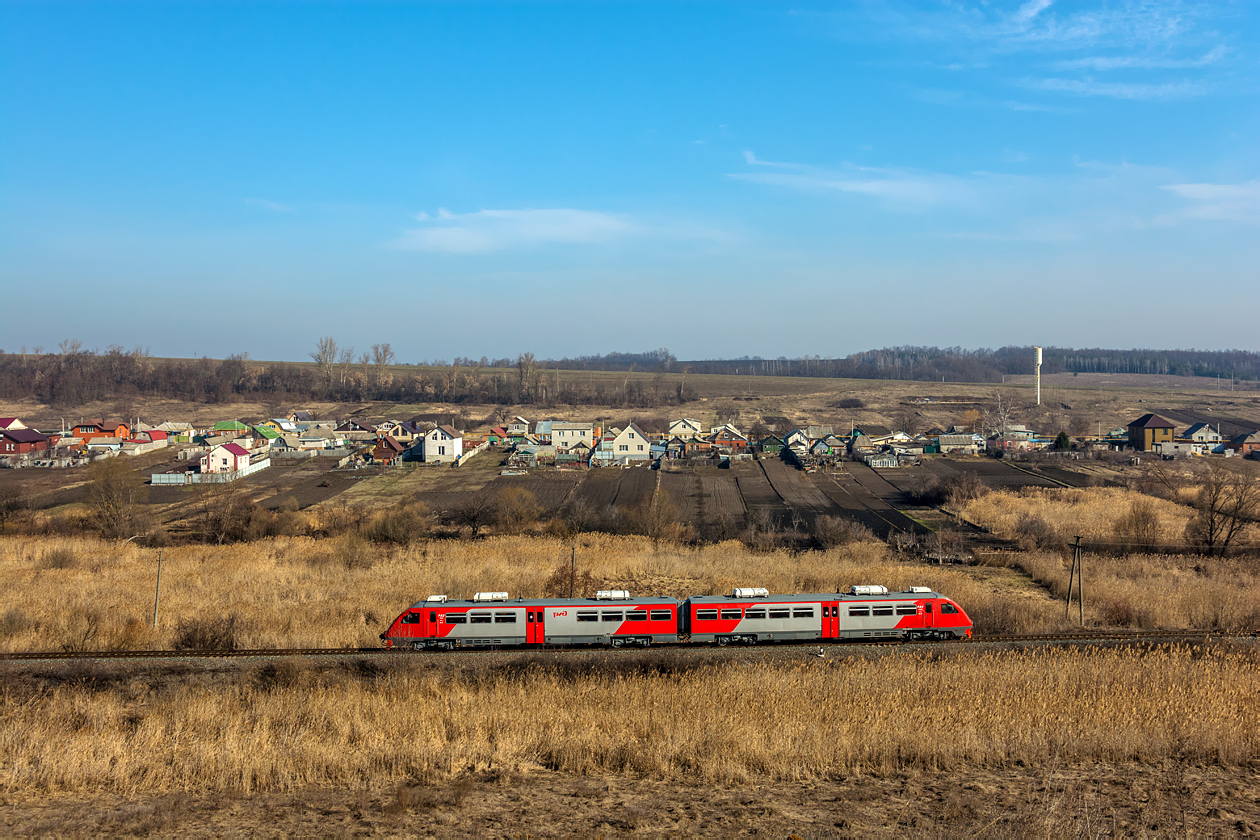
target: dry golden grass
299 592
1090 512
1157 591
664 717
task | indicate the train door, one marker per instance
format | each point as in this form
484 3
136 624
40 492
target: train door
831 620
535 628
928 617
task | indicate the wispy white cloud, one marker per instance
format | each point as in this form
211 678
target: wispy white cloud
1120 90
487 231
273 206
752 160
497 230
900 189
1142 62
1217 202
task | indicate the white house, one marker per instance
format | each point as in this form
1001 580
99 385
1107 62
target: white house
519 427
686 428
629 444
568 435
441 445
229 457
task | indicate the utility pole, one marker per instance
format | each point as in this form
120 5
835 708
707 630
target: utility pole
1077 574
572 568
157 592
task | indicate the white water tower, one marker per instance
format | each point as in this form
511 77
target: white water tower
1037 371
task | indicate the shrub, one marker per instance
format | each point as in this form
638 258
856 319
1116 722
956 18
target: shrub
208 634
849 402
517 508
1033 531
1139 527
837 531
965 488
402 524
59 557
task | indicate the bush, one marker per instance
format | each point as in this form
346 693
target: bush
849 402
208 634
964 488
1139 527
403 524
59 558
517 508
1033 531
837 531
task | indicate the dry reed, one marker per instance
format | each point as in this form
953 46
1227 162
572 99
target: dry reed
720 723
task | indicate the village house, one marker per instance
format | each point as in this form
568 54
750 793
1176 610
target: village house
728 437
235 428
770 445
566 435
1202 433
958 445
1148 430
387 450
23 441
406 433
229 457
87 430
518 428
684 428
441 445
621 446
542 432
1245 445
11 423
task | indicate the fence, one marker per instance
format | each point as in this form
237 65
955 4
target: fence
208 478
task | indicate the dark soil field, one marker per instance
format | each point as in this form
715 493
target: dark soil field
758 494
551 488
635 488
800 495
598 489
1177 800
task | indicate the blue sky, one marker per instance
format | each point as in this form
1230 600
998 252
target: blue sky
723 179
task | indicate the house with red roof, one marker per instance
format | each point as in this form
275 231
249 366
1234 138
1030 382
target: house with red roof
98 428
229 457
7 423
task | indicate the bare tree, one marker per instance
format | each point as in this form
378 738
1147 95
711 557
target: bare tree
382 358
325 357
997 416
1226 506
115 493
528 373
344 362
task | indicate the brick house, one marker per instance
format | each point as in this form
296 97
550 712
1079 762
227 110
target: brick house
441 445
98 428
1148 430
229 457
22 442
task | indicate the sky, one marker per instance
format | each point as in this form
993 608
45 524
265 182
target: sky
721 179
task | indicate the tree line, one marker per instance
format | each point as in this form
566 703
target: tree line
72 376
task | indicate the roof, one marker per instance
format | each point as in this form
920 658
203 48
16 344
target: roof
388 442
235 449
230 426
169 426
156 434
449 431
267 432
559 424
1151 421
874 429
11 422
22 435
304 416
956 440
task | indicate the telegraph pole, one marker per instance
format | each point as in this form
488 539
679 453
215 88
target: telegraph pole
1077 574
157 593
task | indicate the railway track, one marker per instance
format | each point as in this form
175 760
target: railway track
278 653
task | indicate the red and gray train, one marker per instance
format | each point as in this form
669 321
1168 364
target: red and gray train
615 619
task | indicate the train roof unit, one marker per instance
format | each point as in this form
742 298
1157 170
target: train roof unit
863 592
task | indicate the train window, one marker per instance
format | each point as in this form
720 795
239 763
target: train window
610 616
803 612
411 618
662 615
882 609
505 618
433 616
587 615
480 618
455 618
781 612
706 615
948 609
907 609
732 614
529 618
826 611
636 615
755 614
927 608
859 610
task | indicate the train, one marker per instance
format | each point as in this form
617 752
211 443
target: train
614 618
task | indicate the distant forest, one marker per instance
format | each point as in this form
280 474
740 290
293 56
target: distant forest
72 376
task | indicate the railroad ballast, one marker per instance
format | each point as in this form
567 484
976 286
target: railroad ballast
614 618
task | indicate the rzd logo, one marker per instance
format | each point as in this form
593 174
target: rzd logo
558 613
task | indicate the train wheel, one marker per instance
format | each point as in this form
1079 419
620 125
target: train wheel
722 640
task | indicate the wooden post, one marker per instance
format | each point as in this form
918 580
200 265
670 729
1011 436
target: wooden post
1076 575
572 569
157 593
